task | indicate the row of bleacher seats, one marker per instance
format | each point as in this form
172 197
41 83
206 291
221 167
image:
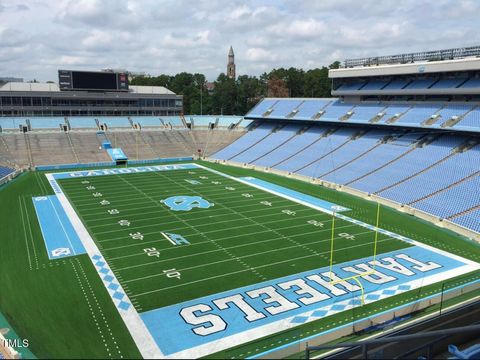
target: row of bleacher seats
48 148
5 171
435 173
85 122
421 84
464 117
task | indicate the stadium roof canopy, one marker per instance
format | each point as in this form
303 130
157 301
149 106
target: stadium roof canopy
443 66
52 87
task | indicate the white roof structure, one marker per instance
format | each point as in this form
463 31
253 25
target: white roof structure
22 86
52 87
158 90
467 64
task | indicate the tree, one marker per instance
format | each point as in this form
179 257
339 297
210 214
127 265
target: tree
276 88
224 96
239 96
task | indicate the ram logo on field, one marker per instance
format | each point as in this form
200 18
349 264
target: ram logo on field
186 203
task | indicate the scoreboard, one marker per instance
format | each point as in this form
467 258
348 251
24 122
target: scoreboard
92 80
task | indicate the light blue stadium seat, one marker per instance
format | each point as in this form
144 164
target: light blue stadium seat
245 142
269 143
291 147
393 110
283 108
352 86
372 160
115 122
472 83
324 168
396 84
418 114
455 168
82 122
375 85
459 198
318 148
408 165
175 121
309 108
335 110
365 112
11 123
470 220
46 122
447 83
226 121
245 123
262 107
420 84
147 121
470 121
450 111
5 171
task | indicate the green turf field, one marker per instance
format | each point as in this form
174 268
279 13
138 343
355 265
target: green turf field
248 236
63 308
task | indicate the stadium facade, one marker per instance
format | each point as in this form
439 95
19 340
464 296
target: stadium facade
49 99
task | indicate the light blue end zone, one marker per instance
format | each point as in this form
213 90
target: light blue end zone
61 239
295 194
172 334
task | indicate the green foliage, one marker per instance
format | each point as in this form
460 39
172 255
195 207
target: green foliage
237 97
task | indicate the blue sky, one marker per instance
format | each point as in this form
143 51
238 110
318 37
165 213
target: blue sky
37 37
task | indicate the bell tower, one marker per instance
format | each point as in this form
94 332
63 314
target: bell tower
231 64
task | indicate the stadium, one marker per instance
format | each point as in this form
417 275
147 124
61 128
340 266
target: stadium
308 227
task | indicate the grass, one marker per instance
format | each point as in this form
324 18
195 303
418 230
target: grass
248 236
63 309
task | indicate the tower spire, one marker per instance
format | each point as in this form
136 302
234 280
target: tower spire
231 64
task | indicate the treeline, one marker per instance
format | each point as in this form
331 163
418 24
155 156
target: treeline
237 97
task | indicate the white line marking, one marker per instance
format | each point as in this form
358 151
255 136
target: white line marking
168 238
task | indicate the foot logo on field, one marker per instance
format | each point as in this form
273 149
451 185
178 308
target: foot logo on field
186 203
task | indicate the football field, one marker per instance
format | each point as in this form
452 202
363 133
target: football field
239 235
197 261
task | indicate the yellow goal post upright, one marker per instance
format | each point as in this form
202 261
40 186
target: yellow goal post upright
355 278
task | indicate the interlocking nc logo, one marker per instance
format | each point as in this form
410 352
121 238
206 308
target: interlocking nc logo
186 203
61 252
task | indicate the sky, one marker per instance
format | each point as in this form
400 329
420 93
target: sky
38 37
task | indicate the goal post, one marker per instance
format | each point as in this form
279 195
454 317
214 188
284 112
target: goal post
355 278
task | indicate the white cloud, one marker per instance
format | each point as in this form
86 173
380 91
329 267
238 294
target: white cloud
171 36
259 55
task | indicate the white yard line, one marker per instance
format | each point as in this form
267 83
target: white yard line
234 272
220 239
206 232
129 209
254 254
